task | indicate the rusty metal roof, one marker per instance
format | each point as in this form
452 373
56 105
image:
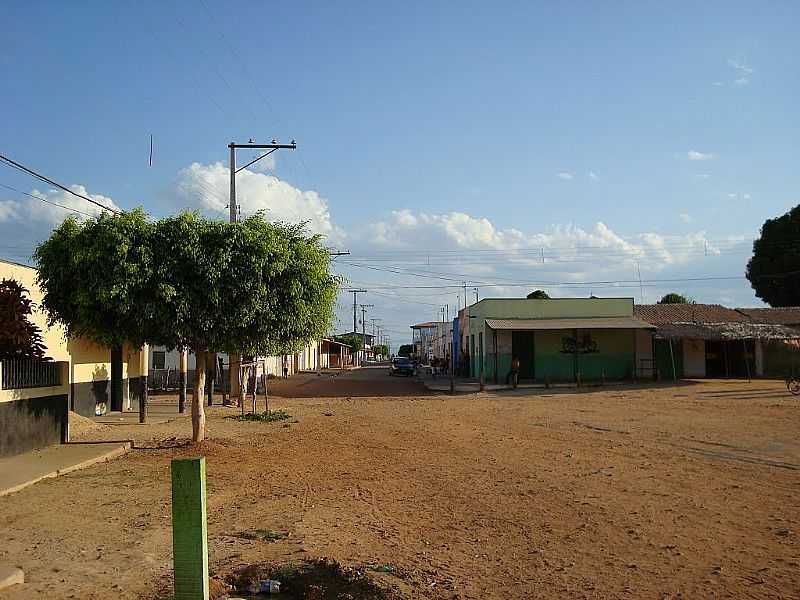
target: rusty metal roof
574 323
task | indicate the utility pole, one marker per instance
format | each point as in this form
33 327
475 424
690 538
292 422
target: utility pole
476 295
466 303
364 308
235 360
233 146
355 308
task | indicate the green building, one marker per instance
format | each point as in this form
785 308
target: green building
561 339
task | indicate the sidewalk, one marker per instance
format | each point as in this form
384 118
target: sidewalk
158 411
20 471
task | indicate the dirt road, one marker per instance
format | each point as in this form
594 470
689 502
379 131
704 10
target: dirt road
676 492
359 383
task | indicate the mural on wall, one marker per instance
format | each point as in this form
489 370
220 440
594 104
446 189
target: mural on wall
585 345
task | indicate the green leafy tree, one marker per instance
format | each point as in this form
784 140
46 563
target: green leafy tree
96 280
774 269
354 341
380 350
19 337
254 287
405 350
538 295
675 298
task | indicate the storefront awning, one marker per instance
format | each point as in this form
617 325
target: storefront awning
577 323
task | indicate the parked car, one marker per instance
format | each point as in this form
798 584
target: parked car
401 366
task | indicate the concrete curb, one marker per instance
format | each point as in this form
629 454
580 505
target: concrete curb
110 455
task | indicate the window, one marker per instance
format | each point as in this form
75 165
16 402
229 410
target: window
159 359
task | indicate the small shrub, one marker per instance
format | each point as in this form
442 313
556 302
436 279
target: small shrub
264 417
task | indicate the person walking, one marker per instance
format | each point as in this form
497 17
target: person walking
285 367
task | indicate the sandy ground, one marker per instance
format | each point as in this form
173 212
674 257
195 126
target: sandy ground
675 492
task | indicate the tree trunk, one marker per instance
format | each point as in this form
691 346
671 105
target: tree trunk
198 412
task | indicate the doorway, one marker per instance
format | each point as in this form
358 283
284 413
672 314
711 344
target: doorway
522 348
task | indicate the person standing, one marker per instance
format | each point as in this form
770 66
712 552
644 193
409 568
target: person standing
285 366
513 374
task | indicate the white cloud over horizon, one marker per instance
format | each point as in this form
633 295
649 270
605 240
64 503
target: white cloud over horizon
566 176
207 186
695 155
49 211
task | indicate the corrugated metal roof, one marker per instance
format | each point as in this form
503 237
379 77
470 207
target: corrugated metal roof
576 323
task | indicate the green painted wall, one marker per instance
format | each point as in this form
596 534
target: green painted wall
614 357
616 349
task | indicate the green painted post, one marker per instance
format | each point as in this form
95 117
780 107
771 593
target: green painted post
189 528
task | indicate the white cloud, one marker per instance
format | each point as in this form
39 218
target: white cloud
743 72
53 207
702 176
695 155
732 196
408 230
746 196
8 210
685 217
208 186
741 67
565 175
718 83
593 175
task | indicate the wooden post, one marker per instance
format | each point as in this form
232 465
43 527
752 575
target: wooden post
184 367
234 368
672 358
189 528
746 364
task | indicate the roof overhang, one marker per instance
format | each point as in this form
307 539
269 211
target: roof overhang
727 331
574 323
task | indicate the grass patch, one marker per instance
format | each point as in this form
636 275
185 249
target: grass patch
264 417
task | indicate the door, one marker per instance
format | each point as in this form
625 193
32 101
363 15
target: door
522 348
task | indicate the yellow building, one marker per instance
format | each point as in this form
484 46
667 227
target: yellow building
31 415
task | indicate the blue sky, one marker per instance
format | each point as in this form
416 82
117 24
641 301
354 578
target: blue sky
613 136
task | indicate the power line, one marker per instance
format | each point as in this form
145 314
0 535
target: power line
8 162
80 212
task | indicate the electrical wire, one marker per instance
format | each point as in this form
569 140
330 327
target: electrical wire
13 189
11 163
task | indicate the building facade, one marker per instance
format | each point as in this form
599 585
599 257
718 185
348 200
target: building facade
563 339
